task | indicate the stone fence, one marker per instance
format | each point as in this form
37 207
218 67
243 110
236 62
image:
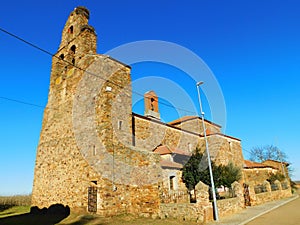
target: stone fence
176 204
232 205
174 196
173 206
267 192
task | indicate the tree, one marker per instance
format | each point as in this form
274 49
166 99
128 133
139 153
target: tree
192 173
260 154
224 175
231 173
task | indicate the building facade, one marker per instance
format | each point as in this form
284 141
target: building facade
94 153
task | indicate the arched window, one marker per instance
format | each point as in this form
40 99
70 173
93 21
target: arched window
62 56
73 49
152 104
71 30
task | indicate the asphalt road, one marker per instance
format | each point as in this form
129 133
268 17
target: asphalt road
288 214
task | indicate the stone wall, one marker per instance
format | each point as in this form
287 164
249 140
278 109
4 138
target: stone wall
184 212
151 133
225 149
195 125
201 211
269 195
229 206
256 176
282 167
177 183
232 205
86 137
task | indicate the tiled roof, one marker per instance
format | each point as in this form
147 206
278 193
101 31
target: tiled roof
180 152
163 150
170 164
271 160
182 119
249 164
187 118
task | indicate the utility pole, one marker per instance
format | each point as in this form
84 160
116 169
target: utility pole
208 155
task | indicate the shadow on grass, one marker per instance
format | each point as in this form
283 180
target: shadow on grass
84 220
5 207
52 215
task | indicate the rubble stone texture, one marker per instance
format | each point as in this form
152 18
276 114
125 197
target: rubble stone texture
67 161
95 155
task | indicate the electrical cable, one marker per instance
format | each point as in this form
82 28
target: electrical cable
70 63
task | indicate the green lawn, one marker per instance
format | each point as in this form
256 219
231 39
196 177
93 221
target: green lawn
15 210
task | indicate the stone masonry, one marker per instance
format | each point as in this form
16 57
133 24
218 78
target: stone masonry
95 155
77 149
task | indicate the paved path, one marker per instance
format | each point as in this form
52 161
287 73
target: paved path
287 214
251 213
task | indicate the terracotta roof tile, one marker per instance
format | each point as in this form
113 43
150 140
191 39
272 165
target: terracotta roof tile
271 160
164 150
249 164
170 164
180 152
187 118
182 119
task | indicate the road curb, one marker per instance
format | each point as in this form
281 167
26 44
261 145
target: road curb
269 210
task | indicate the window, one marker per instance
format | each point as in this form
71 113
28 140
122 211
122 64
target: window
62 56
152 106
94 151
70 30
120 122
172 179
73 49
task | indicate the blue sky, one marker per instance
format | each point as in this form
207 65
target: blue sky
252 48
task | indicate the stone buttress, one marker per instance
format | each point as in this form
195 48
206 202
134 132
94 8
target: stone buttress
84 158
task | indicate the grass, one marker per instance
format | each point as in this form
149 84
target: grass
74 219
78 219
14 210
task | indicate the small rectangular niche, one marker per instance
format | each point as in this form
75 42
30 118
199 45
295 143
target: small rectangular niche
94 150
120 123
172 185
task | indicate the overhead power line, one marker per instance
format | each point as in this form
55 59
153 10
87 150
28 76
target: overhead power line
21 102
70 63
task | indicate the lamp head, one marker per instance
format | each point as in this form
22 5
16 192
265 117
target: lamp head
199 83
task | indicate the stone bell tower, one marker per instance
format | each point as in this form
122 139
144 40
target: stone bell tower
84 158
151 105
60 171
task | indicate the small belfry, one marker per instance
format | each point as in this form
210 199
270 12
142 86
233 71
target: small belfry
78 40
77 33
151 105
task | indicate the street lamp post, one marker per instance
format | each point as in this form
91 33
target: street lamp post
208 155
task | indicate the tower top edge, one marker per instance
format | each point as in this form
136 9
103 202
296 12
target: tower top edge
82 10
